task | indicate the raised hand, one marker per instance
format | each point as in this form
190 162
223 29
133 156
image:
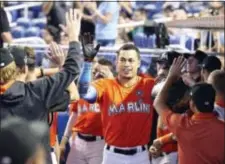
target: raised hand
73 22
89 51
176 68
56 55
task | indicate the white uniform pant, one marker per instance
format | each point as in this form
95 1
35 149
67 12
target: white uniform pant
83 152
171 158
110 157
54 159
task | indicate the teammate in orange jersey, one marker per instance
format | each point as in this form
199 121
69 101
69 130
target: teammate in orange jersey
126 106
87 139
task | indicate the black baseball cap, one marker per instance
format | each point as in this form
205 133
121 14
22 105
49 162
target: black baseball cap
168 57
176 92
211 63
199 55
203 96
19 139
19 55
5 57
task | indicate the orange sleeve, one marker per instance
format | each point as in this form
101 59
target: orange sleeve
166 139
100 86
172 120
73 107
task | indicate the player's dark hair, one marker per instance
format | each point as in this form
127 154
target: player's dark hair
105 62
129 46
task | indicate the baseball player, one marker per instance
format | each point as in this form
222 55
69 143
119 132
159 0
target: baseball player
87 139
217 79
125 104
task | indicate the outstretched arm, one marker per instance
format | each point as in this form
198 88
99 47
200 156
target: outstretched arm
86 91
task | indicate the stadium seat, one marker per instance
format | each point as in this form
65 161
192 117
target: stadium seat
30 14
14 15
62 121
24 22
32 31
40 23
18 32
174 39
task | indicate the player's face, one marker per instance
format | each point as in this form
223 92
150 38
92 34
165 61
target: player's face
127 64
192 65
101 71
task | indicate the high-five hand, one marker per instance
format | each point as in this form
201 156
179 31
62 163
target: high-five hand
89 51
176 67
73 22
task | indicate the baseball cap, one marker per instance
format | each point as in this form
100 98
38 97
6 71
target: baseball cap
19 139
175 93
5 57
19 55
211 63
199 55
168 57
203 95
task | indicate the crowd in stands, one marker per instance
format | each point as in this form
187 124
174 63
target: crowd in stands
76 107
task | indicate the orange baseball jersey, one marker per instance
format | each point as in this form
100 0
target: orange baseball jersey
53 130
126 112
200 137
89 118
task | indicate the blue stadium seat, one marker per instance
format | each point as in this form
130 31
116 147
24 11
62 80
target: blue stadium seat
14 15
62 121
32 31
40 23
18 32
24 22
189 42
30 14
174 39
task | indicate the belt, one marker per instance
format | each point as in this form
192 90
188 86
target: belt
131 151
90 138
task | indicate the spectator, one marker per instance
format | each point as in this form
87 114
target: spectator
5 35
34 100
209 64
21 142
217 79
55 18
106 18
192 130
138 15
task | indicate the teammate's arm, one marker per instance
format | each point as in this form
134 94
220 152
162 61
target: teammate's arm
86 91
174 73
67 133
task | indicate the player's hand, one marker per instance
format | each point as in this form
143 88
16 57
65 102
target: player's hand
73 23
154 152
62 148
56 55
88 48
157 144
176 67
